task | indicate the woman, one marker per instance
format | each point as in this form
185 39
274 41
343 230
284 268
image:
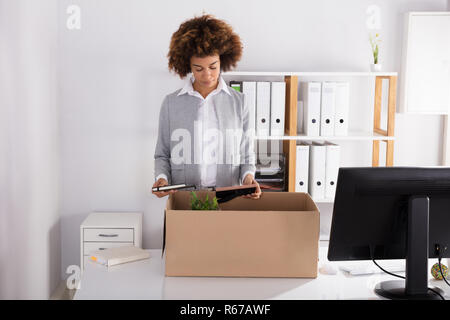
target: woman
203 136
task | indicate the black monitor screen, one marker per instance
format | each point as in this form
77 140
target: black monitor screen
370 214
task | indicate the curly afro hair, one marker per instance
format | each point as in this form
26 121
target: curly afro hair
203 36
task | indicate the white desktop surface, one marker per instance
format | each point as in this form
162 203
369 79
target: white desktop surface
146 280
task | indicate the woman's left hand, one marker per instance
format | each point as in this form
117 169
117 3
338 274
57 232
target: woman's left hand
250 180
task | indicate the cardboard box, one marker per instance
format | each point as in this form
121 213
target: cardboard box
274 236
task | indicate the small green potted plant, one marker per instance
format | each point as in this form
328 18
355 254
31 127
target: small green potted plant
374 43
197 204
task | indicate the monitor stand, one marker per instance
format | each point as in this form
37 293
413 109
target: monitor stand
415 286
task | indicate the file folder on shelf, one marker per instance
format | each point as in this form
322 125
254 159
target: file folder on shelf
331 168
249 89
342 109
277 107
262 108
317 158
310 94
302 168
327 109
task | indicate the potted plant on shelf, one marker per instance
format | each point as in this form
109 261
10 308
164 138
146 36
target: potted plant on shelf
374 43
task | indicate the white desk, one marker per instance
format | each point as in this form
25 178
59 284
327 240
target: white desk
145 280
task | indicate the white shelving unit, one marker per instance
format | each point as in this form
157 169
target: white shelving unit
291 136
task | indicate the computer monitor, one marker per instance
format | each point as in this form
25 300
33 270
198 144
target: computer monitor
393 213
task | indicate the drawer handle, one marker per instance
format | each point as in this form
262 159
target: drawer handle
108 235
101 248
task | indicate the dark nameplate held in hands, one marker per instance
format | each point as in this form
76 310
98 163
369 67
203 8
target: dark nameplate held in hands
225 194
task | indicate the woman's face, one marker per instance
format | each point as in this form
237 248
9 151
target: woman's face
206 70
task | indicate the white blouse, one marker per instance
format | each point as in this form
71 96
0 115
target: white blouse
209 146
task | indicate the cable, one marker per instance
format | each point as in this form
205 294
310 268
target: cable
390 273
440 270
402 277
438 250
437 293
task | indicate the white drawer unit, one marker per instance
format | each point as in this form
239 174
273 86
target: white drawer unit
103 230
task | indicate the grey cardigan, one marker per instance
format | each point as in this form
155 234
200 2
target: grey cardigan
176 119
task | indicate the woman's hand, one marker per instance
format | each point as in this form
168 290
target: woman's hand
159 183
250 180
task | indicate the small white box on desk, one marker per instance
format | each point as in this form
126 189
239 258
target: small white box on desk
102 230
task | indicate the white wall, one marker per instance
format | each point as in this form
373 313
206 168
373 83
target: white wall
113 77
30 241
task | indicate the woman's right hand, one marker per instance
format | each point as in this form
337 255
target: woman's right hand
159 183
